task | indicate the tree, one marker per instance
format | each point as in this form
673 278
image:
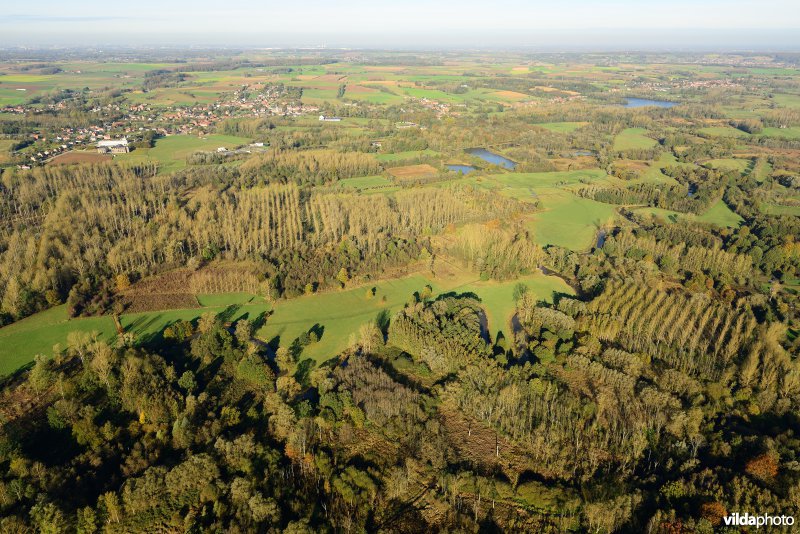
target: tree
41 375
343 277
187 382
244 332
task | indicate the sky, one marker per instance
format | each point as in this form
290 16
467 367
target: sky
640 24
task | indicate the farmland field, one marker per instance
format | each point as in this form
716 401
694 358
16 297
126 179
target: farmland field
412 172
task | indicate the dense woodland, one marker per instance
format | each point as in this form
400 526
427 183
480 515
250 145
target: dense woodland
659 395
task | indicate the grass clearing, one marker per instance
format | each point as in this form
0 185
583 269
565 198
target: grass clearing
721 215
633 138
740 165
341 313
770 208
497 298
37 334
722 131
338 313
788 101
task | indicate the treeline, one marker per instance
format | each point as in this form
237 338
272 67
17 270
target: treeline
672 197
310 166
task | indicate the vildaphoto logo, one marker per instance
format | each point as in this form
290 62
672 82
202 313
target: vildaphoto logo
758 521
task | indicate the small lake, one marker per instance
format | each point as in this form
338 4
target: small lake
644 102
491 157
463 169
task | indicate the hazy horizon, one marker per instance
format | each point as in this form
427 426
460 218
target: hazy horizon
572 24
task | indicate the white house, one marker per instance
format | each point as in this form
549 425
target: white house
113 146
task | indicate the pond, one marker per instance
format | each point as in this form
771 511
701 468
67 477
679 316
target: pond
491 157
601 239
463 169
692 190
644 102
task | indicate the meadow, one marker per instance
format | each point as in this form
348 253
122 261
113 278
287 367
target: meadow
170 152
719 213
633 138
336 314
39 333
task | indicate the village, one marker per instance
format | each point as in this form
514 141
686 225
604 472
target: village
137 121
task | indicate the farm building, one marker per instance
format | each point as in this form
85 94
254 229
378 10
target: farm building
113 146
329 119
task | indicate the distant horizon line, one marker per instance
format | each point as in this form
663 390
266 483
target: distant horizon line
553 49
590 39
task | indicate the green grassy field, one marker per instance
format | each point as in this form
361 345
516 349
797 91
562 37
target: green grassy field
788 133
569 221
722 131
761 170
21 341
397 156
341 313
5 150
663 214
12 97
497 298
633 138
741 165
170 152
721 215
338 313
788 101
779 209
566 219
